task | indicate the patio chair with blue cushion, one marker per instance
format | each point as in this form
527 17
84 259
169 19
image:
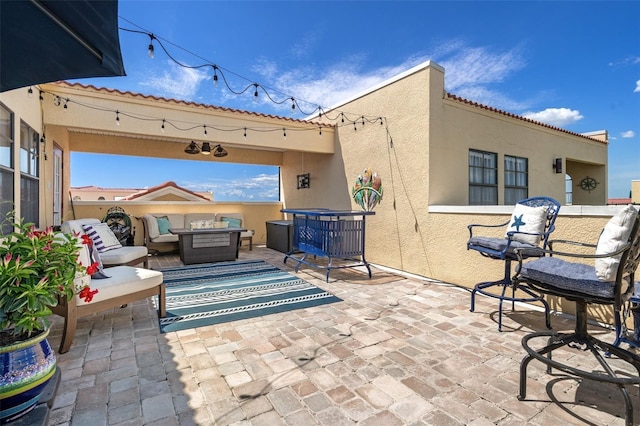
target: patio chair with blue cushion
528 229
608 282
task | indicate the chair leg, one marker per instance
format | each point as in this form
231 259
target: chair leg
506 282
581 340
69 329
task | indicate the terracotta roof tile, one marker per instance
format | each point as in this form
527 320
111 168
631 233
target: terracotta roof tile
181 102
161 186
519 117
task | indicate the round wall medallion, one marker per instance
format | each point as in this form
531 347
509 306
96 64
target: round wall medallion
588 183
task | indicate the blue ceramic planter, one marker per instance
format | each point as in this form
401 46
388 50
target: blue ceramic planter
25 369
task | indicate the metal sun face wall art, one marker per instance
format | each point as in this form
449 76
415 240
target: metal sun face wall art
367 191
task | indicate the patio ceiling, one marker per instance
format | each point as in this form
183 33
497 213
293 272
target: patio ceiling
140 122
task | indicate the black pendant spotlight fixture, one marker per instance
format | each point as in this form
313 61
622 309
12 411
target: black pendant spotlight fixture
194 148
219 151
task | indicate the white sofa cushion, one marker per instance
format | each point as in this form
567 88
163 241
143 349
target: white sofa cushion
75 226
123 255
123 280
166 238
152 226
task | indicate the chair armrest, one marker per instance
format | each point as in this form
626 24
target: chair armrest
569 242
478 225
570 254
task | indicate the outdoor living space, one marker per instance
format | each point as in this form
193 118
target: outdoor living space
397 350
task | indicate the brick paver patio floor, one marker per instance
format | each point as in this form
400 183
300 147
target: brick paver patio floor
396 351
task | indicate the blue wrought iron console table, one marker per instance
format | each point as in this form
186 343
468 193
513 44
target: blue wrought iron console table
333 234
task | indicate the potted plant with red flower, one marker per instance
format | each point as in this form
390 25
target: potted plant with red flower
37 267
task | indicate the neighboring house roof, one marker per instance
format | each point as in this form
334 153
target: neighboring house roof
181 102
101 188
519 117
619 201
165 189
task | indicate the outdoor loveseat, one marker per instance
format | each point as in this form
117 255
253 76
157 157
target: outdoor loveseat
156 227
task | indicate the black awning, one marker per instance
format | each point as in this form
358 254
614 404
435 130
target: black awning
43 41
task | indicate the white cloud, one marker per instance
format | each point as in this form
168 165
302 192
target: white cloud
470 73
261 187
555 116
176 81
628 134
637 89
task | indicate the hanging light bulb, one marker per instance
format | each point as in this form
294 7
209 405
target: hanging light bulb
293 106
320 129
255 93
284 133
162 127
41 97
205 129
117 118
363 120
342 115
215 76
65 103
381 122
150 50
245 133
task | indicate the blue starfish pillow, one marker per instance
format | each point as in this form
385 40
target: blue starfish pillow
527 219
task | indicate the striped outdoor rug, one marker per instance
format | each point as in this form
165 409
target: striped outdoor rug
199 295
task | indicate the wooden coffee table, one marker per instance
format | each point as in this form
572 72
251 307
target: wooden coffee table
208 245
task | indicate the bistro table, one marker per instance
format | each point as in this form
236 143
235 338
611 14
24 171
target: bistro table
334 234
208 245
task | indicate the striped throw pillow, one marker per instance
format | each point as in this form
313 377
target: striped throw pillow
103 237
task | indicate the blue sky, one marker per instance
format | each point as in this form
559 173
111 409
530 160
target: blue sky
571 64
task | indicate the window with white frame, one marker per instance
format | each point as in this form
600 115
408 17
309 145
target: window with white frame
6 167
483 178
29 174
516 179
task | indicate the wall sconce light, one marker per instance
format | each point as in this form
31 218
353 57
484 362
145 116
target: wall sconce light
218 151
304 181
557 165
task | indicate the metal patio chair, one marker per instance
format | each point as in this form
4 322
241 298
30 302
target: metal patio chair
503 249
585 284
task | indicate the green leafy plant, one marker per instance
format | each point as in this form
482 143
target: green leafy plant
36 267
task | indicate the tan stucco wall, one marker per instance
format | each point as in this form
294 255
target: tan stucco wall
635 191
464 127
423 161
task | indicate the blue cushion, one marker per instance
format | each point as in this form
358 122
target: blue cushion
232 221
567 276
163 224
497 245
